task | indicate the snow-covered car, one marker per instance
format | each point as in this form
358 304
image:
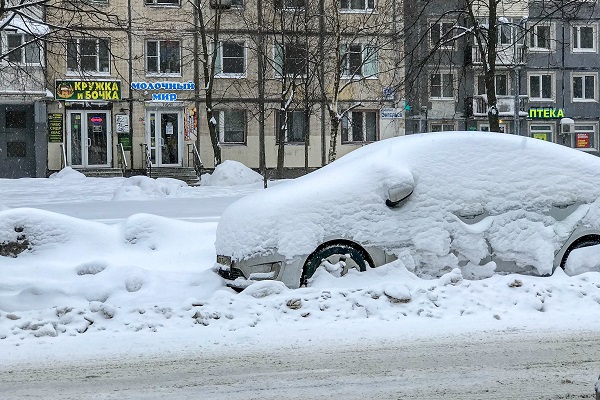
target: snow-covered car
482 202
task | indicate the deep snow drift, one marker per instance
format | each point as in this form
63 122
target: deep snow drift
84 286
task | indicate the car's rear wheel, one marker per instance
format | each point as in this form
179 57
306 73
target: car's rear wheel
346 256
585 241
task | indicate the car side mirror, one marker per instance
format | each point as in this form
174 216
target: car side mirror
397 193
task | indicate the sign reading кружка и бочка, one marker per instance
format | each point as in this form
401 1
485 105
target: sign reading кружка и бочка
74 90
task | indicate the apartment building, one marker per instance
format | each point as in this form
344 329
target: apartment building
129 81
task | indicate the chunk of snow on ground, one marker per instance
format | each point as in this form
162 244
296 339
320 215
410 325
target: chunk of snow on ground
231 173
143 188
68 173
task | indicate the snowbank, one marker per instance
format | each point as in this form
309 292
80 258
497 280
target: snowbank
231 173
143 188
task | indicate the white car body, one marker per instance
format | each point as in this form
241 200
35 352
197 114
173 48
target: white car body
499 201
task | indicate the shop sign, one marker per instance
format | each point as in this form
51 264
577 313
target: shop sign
541 136
546 113
96 120
582 140
160 86
391 113
88 90
122 123
55 128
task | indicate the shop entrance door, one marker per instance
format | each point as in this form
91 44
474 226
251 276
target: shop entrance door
89 136
164 137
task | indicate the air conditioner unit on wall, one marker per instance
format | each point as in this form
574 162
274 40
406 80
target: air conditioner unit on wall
220 4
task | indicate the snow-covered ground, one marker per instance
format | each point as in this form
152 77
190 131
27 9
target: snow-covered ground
124 266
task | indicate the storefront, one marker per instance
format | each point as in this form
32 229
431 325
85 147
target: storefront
552 124
88 119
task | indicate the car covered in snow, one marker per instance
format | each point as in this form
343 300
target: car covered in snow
482 202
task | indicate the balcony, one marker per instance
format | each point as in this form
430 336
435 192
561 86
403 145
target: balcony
511 55
506 105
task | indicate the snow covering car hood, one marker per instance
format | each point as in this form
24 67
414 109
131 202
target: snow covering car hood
513 179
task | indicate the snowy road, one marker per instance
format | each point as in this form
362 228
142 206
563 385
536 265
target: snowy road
471 366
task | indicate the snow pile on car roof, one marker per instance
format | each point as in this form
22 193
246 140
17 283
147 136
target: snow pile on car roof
515 180
231 173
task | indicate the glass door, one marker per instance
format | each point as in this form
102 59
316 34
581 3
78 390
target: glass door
164 138
88 136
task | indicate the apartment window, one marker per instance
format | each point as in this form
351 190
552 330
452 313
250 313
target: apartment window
359 126
163 57
541 87
442 86
88 55
359 60
290 4
505 33
16 149
357 5
584 87
161 2
291 59
231 59
22 49
15 119
584 38
540 38
231 126
441 32
294 126
441 127
237 3
501 85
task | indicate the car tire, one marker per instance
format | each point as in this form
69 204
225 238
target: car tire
584 241
355 258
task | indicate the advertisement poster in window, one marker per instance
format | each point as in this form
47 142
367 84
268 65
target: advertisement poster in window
541 136
55 128
582 140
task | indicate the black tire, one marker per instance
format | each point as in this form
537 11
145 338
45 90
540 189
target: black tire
354 256
584 241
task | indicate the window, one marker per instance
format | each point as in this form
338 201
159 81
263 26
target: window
231 126
291 59
541 38
16 149
231 59
357 5
22 49
88 55
541 87
15 119
237 3
294 126
441 127
584 137
442 86
584 38
440 32
505 33
584 87
359 126
541 132
161 2
163 57
290 4
501 85
359 60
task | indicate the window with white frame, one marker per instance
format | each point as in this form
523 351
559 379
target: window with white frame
541 87
359 60
441 86
231 59
294 125
359 127
585 86
22 49
357 5
440 32
231 126
163 57
584 137
237 3
541 37
290 59
290 4
584 38
501 85
161 2
441 127
88 55
542 132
